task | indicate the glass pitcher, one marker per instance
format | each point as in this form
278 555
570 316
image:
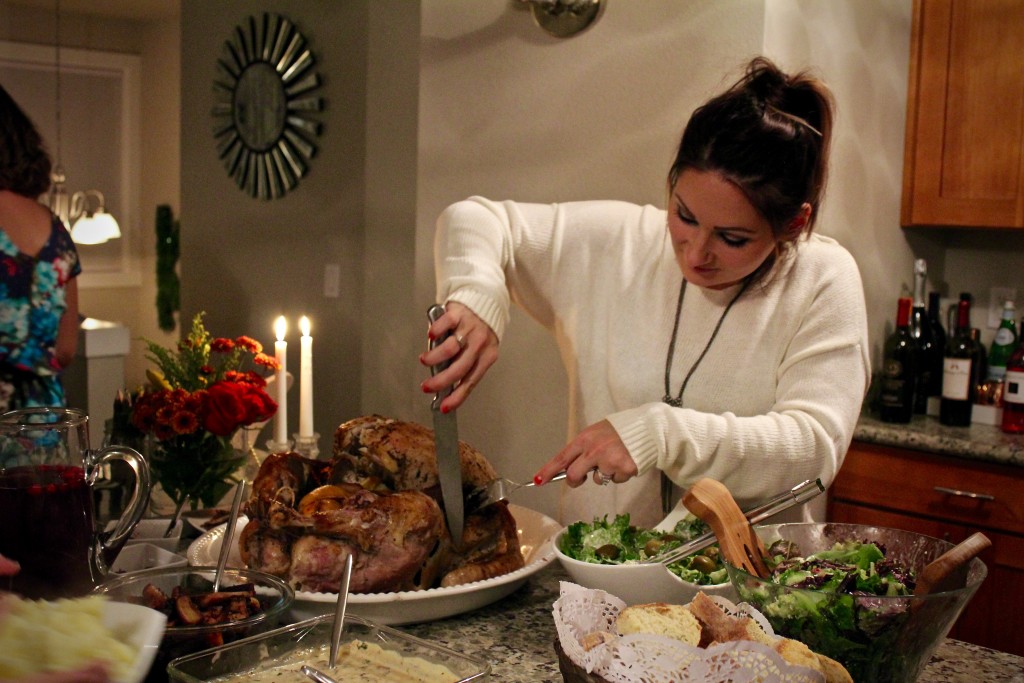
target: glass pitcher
47 472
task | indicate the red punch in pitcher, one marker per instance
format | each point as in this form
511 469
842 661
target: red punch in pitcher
46 476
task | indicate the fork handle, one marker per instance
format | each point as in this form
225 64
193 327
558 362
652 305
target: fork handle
558 477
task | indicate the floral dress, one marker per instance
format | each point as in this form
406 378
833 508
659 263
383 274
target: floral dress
32 301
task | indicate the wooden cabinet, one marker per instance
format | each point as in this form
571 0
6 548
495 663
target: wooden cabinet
947 498
964 153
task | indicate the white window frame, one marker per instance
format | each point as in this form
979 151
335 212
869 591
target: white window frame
125 270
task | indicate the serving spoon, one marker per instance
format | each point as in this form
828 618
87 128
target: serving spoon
316 674
229 533
339 611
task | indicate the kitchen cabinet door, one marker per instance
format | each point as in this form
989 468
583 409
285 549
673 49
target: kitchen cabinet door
992 618
948 498
964 151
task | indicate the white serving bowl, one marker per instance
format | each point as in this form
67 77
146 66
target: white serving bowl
636 584
138 556
151 530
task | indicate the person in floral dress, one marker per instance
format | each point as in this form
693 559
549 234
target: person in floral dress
38 266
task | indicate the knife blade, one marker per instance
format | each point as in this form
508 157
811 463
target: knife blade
446 445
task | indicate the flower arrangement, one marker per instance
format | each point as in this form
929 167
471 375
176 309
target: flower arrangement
200 394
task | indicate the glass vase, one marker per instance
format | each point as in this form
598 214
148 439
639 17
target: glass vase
196 470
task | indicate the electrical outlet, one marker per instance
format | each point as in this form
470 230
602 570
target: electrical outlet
997 297
332 280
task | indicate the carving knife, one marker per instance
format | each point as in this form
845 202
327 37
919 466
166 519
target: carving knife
446 445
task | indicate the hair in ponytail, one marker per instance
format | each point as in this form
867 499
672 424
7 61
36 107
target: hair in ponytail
769 134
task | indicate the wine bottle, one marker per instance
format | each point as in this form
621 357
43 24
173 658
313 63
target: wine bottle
899 369
959 369
1013 390
1004 343
928 352
939 336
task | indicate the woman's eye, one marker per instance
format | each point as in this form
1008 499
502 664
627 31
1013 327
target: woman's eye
733 241
686 218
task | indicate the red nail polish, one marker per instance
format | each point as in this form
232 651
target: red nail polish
425 390
430 335
537 480
444 409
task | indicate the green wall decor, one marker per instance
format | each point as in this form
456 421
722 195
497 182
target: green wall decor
168 300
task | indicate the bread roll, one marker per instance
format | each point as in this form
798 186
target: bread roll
659 618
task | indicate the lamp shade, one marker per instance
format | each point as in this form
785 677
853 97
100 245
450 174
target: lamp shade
97 228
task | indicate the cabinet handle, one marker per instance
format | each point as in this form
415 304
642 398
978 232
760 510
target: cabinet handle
964 494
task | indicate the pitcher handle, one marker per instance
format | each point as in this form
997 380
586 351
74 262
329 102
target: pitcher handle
140 494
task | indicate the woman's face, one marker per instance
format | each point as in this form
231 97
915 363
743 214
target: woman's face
717 234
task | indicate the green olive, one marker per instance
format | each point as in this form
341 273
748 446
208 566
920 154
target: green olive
653 547
703 564
609 551
712 551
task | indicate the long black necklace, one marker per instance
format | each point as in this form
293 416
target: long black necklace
677 402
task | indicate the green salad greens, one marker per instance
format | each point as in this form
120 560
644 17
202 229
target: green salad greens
619 542
843 610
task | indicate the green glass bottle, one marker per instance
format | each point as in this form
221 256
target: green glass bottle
1003 345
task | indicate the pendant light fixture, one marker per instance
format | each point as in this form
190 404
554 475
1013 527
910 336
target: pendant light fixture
89 225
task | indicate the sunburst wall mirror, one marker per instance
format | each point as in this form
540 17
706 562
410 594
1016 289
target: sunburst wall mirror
265 124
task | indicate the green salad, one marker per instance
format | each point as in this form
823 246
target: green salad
619 542
844 611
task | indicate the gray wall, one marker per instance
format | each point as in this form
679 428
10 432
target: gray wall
245 260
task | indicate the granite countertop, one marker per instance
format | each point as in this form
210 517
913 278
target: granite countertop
926 433
517 634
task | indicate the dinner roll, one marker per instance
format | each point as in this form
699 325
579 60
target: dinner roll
659 618
833 670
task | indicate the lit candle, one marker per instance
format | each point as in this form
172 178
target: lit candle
281 380
306 379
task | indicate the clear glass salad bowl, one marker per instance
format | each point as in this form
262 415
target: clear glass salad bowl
878 638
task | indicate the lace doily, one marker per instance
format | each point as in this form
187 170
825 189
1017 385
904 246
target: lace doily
580 612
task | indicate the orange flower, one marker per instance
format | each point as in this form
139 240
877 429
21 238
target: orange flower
249 344
266 361
184 422
222 345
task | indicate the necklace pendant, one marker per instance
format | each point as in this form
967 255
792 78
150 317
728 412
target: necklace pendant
674 402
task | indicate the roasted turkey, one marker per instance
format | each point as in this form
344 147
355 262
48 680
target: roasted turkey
378 499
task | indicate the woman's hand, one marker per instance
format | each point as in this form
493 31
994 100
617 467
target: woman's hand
596 449
472 348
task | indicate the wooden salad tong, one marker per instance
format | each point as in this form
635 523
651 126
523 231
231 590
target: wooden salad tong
949 570
711 502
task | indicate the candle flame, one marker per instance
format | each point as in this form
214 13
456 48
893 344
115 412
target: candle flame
280 327
304 326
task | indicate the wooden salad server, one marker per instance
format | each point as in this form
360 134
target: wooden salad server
710 501
949 570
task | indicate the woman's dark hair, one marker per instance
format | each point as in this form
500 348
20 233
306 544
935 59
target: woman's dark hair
24 161
769 134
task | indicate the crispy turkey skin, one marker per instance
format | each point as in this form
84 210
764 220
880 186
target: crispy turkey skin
378 499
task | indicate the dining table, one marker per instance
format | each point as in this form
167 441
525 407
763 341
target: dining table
517 636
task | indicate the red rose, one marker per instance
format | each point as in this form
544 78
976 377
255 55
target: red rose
231 405
261 406
226 408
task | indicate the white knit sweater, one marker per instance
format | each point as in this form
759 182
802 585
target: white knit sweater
776 398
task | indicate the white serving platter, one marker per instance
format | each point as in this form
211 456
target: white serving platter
536 533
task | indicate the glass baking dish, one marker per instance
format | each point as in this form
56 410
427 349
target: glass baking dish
287 648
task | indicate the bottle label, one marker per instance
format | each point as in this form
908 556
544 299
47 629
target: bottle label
1013 392
1004 337
956 378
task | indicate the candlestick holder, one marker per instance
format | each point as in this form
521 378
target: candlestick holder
279 446
307 446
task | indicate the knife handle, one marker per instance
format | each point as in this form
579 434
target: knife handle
433 314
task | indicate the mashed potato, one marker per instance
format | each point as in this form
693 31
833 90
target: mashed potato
358 662
39 636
